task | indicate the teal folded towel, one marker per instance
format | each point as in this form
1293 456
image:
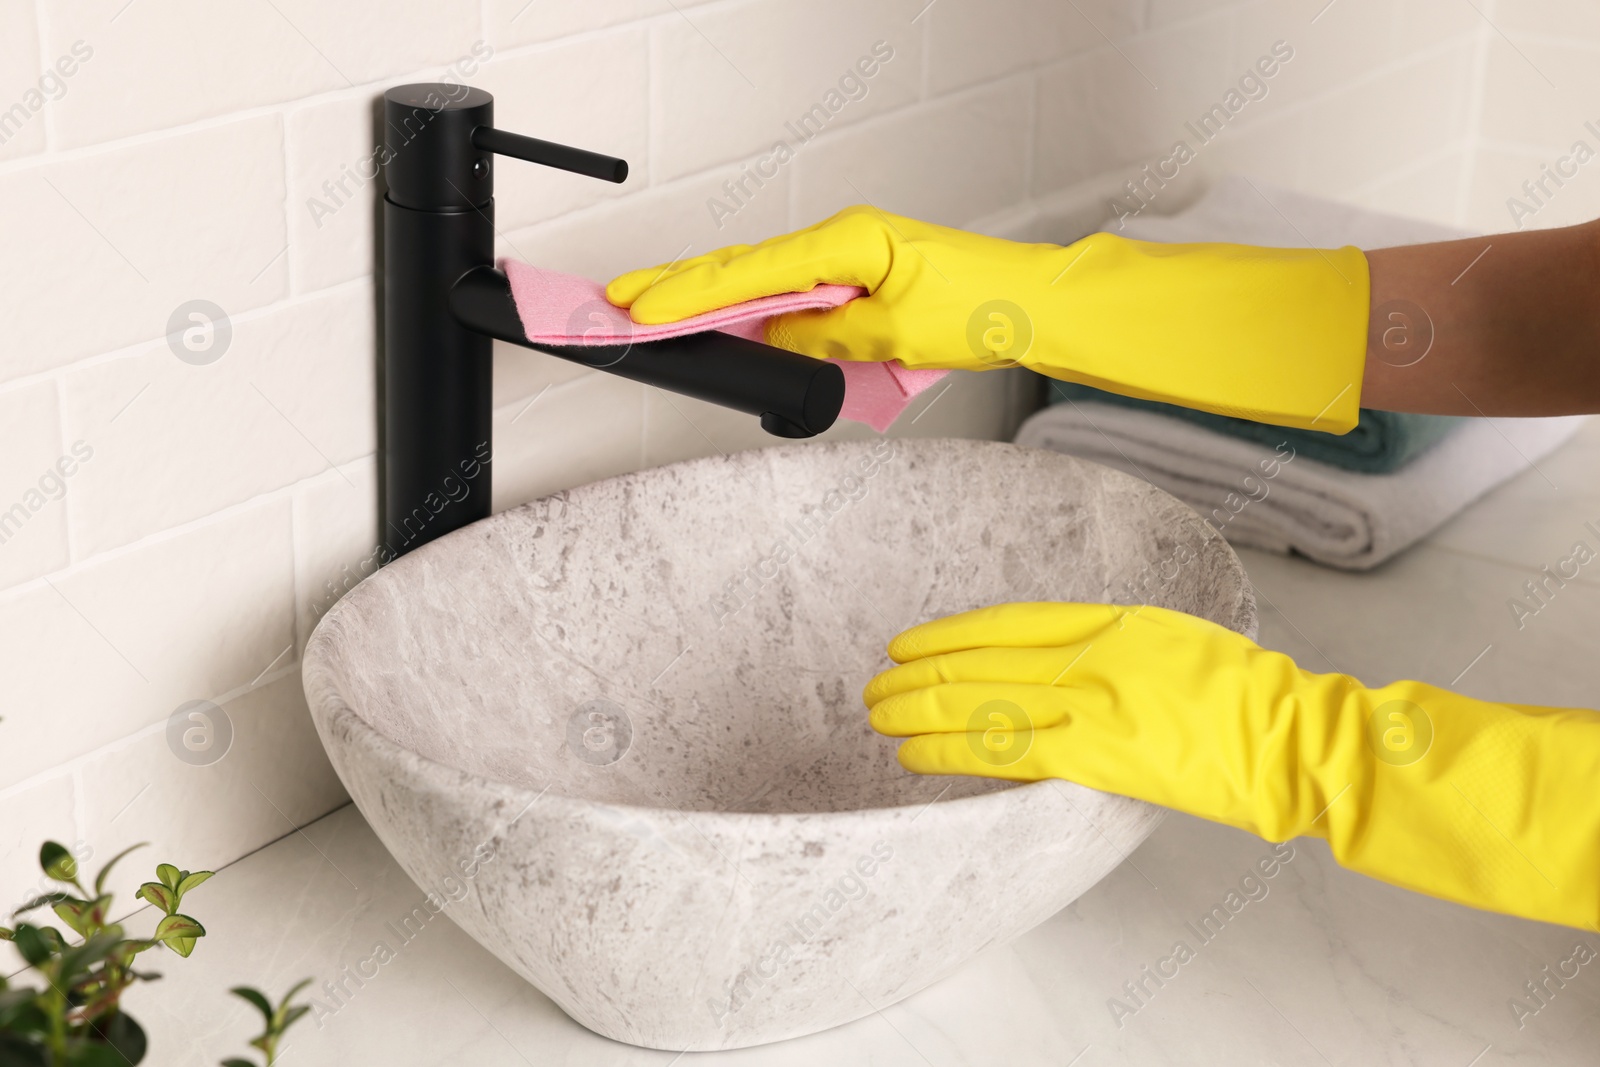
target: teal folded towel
1383 441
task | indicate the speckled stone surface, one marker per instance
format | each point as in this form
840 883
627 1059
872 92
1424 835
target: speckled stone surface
624 724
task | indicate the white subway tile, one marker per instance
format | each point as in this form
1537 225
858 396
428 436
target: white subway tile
292 394
33 489
1497 180
334 191
1349 39
273 778
160 65
948 161
1429 191
1128 105
576 433
1164 12
1420 23
730 81
29 817
1576 20
335 538
119 643
1358 135
677 428
107 245
25 91
591 94
1540 94
1271 151
514 22
653 225
970 41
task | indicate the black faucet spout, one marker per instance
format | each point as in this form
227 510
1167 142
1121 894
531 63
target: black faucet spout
794 395
444 303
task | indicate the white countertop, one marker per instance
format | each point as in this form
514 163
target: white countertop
1328 967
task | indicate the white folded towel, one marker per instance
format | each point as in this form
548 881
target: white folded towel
1338 517
1334 516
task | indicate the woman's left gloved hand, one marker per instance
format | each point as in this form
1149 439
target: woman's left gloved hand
1492 805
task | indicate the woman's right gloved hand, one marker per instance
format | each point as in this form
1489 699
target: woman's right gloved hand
1493 805
1273 334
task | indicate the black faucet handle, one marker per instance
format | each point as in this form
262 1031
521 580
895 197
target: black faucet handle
550 154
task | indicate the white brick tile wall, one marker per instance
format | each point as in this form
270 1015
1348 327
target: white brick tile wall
514 22
591 93
335 539
189 557
23 97
980 159
111 242
292 394
333 161
763 65
1541 92
273 778
162 65
1422 192
1127 105
1557 18
972 41
100 651
28 818
1436 116
1499 175
33 489
574 433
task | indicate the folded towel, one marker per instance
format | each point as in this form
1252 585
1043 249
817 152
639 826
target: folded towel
1272 496
566 309
1239 210
1382 441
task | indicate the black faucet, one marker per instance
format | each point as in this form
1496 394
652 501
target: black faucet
444 302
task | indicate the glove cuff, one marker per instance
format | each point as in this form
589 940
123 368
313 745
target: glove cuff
1276 335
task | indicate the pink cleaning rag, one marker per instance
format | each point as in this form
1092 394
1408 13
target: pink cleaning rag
566 309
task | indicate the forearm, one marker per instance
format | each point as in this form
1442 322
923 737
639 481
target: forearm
1501 325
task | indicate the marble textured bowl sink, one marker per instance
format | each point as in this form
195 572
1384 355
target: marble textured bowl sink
618 731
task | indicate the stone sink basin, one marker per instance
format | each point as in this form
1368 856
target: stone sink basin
618 732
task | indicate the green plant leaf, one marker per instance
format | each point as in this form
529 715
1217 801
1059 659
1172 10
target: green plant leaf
41 901
6 933
178 926
75 914
57 862
183 946
293 990
256 997
20 1012
120 1032
190 881
233 1061
16 1051
34 944
293 1016
79 959
161 895
100 879
169 875
94 1054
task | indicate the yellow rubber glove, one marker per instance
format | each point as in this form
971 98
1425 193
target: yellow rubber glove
1273 334
1491 805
